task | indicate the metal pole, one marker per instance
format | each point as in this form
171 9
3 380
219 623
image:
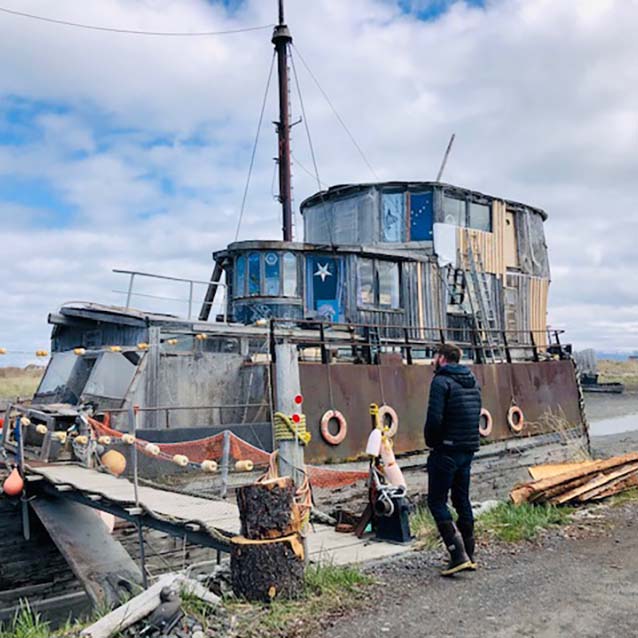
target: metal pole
447 154
225 463
130 291
190 299
287 387
132 415
281 39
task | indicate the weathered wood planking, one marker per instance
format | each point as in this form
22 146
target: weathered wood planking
324 544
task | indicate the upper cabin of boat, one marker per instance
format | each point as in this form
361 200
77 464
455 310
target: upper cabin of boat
398 254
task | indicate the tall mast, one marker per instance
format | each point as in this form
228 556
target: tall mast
281 39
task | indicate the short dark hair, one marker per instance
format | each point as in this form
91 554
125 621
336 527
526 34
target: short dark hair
451 352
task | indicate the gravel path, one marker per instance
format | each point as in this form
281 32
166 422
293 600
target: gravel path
579 581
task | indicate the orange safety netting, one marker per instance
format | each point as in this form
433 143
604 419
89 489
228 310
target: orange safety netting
211 448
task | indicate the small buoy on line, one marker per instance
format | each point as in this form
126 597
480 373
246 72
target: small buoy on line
41 428
244 466
104 440
152 449
209 466
13 484
129 439
181 460
81 439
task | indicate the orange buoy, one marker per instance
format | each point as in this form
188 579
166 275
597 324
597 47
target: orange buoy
13 484
114 462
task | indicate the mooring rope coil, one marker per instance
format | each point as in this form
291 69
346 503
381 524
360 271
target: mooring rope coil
287 430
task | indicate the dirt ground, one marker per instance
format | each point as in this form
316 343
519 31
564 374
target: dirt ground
577 581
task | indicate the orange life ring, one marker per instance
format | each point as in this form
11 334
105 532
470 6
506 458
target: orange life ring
515 426
386 410
485 430
328 437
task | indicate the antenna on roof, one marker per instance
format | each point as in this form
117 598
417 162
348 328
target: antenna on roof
447 154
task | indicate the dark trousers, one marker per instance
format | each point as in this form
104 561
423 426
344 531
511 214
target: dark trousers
449 473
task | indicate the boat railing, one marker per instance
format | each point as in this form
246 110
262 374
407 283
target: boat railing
136 275
366 341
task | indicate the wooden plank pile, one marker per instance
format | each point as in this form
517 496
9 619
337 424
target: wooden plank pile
576 483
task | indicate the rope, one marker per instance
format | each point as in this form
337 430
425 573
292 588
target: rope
303 495
94 27
252 157
287 430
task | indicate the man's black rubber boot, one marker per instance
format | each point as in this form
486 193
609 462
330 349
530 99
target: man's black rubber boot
467 532
453 540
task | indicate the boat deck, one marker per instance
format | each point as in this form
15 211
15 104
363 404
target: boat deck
202 520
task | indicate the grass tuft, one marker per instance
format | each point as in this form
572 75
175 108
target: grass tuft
511 523
25 623
506 522
330 579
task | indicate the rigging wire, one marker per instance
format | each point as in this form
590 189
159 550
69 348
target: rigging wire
336 114
306 170
252 157
305 120
95 27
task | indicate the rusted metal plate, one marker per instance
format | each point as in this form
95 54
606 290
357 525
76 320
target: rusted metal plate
538 388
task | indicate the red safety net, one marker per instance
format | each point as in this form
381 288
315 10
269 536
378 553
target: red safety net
211 448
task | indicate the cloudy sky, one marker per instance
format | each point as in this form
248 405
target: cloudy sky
124 151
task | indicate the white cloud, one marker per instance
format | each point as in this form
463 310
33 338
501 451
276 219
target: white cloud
149 142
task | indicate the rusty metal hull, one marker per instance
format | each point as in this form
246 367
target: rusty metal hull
540 389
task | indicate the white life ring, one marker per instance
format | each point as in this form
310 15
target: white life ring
328 437
386 410
485 430
518 424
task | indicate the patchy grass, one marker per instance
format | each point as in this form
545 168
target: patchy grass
328 590
624 497
25 624
619 372
506 522
513 523
424 529
19 382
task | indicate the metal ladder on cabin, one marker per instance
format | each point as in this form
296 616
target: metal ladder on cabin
481 305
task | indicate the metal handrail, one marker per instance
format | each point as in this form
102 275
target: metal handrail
191 283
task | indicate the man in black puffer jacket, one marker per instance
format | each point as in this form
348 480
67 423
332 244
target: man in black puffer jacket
452 433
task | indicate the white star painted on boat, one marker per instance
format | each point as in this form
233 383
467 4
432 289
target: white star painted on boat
323 272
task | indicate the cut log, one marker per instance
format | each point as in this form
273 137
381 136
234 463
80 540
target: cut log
267 509
548 470
616 487
595 483
267 569
534 490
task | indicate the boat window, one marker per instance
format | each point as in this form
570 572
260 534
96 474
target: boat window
254 272
365 274
111 376
388 273
393 216
57 372
290 275
480 217
454 211
421 218
240 276
271 274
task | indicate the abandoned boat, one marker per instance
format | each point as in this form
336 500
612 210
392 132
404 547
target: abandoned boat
385 272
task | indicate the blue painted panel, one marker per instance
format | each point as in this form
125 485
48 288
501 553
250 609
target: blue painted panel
421 217
393 216
325 286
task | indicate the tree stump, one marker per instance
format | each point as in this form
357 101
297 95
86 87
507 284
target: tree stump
267 560
266 509
263 570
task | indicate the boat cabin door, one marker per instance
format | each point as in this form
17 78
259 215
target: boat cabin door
324 286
